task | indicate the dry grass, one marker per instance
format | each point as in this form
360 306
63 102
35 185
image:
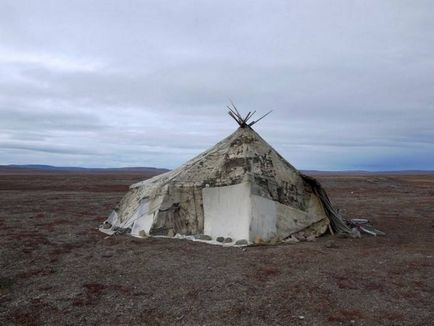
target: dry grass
55 267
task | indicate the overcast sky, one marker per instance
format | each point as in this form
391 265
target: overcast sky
145 83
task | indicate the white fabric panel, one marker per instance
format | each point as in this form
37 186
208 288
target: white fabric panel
227 211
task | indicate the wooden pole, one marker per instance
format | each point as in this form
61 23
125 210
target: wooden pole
252 123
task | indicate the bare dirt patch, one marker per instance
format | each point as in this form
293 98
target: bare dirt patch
56 268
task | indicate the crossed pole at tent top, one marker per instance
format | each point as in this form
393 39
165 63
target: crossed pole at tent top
243 122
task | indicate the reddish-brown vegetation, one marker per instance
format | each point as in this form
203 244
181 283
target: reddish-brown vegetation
56 268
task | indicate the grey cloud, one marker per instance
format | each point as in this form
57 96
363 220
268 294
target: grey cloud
40 119
43 148
120 84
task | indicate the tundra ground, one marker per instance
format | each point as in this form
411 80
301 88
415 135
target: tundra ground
56 268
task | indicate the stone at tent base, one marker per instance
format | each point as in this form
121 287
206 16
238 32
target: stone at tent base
241 242
310 238
291 239
171 233
202 237
142 233
228 240
106 225
220 239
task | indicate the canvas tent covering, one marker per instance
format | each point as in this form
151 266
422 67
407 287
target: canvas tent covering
241 190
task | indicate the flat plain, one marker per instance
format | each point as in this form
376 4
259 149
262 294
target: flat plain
57 268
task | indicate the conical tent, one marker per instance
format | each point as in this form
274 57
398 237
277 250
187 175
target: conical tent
239 191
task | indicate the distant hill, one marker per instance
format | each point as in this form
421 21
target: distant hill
40 168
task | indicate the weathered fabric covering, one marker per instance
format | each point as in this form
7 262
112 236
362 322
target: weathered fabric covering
172 203
337 222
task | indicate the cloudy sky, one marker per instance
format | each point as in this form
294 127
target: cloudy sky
145 83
